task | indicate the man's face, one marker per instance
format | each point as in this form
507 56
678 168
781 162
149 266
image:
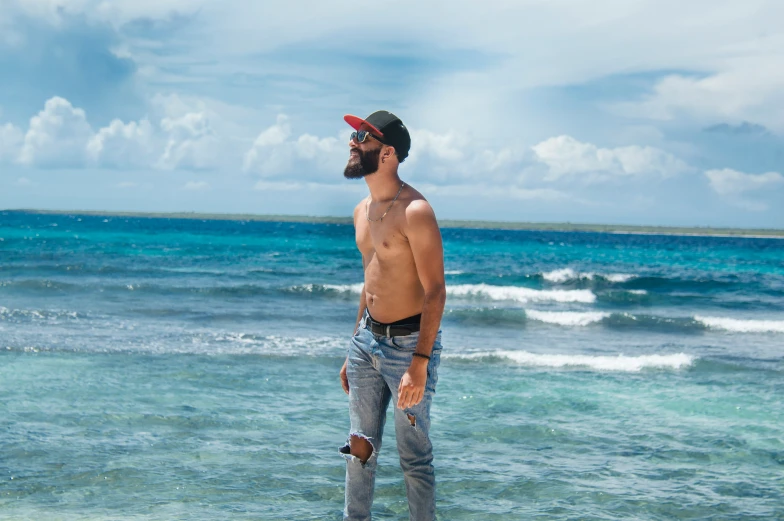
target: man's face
363 159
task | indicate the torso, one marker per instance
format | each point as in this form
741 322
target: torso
392 287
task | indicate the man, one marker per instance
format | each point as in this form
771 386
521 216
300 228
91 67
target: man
395 351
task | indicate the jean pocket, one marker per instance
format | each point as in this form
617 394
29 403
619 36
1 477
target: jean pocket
405 343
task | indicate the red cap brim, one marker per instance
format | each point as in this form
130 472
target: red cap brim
358 122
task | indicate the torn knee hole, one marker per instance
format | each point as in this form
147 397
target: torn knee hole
360 447
412 419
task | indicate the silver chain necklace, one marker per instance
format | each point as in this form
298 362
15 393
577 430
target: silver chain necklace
367 206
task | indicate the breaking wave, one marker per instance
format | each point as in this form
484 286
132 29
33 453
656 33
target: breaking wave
568 274
736 325
519 294
598 362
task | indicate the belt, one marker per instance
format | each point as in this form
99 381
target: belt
379 328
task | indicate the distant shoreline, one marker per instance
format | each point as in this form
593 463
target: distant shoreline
761 233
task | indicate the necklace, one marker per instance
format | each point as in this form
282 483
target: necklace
367 206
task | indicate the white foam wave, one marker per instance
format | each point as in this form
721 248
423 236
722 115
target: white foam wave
599 363
742 326
619 277
453 272
519 294
36 314
243 343
343 288
566 318
567 274
487 291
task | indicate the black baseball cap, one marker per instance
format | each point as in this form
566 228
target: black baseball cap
388 128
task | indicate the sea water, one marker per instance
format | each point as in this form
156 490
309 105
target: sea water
188 369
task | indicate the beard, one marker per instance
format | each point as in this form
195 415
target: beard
366 164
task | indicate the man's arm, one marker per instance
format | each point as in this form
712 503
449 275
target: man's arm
424 237
362 307
360 313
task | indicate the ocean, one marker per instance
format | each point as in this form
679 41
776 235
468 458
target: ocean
155 368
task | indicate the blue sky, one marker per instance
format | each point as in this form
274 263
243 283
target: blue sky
611 111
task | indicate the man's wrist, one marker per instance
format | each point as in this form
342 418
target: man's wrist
417 361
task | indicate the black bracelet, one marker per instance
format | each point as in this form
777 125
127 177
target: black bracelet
420 355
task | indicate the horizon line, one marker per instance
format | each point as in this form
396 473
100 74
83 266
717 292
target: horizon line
635 229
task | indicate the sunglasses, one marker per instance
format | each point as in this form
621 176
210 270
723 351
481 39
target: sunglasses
361 136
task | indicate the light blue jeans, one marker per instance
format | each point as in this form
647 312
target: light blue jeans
375 366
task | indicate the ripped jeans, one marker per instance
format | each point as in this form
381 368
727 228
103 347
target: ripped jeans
375 367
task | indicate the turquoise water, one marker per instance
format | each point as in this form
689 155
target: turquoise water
187 369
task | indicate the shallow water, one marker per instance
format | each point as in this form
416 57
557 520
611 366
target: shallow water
173 369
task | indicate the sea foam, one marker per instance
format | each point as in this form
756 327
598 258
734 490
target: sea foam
567 274
486 291
566 318
599 363
518 294
742 326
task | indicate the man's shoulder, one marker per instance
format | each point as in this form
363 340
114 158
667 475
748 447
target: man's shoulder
417 204
418 210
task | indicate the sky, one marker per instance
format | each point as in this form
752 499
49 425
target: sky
649 112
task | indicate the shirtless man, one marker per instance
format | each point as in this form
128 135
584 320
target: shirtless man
395 351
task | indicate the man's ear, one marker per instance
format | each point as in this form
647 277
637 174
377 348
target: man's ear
389 152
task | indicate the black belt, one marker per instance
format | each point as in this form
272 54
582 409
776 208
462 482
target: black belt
379 328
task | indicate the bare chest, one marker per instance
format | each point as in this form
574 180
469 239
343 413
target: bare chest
382 240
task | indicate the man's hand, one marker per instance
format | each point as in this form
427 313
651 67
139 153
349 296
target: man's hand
344 376
412 385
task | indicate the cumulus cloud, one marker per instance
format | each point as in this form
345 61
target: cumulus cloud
566 156
310 147
455 157
11 139
122 145
435 157
735 95
731 182
191 143
57 136
61 137
275 154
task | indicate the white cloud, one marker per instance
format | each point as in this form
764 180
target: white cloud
267 157
23 181
311 147
191 142
565 156
745 89
122 145
57 136
731 182
196 186
275 154
456 157
11 139
446 147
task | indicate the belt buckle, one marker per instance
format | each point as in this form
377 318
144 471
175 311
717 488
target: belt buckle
389 332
